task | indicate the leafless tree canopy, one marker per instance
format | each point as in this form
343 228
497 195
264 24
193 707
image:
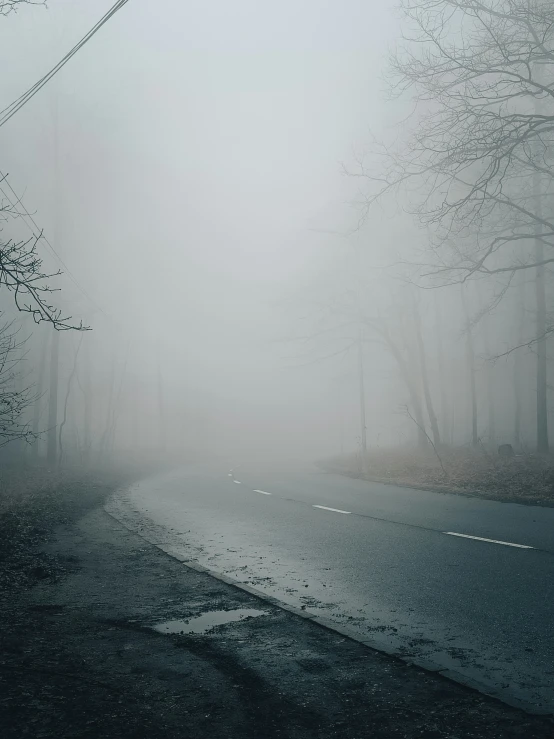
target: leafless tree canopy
482 75
10 6
23 275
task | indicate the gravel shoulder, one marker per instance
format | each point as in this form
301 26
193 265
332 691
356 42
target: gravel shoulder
80 657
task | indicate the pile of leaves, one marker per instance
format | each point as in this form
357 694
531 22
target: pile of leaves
523 478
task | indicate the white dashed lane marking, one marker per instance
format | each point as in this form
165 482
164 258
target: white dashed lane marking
490 541
335 510
448 533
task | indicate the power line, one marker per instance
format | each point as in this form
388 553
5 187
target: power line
23 99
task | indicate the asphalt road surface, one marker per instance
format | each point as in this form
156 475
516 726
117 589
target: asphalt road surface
464 583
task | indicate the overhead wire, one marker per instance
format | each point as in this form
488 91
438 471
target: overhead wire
22 100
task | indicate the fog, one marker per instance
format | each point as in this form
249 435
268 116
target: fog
276 395
190 167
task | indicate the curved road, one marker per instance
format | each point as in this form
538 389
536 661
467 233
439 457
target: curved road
464 583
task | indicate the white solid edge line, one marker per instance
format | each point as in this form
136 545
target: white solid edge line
335 510
491 541
237 482
262 492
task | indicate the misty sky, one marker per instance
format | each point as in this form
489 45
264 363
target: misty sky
199 174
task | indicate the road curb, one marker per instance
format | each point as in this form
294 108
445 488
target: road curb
344 631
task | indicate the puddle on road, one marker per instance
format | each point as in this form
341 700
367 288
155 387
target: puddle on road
207 621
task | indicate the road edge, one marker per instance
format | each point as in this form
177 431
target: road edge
435 488
348 633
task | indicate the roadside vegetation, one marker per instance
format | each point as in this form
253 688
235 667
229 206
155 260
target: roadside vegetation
522 478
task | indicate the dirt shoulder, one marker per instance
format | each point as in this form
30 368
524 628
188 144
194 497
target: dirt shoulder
80 659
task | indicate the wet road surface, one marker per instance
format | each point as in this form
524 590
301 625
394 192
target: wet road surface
465 583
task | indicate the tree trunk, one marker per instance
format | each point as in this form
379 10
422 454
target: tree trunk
489 370
470 364
87 411
136 414
37 405
519 322
424 374
116 406
422 440
540 330
540 295
490 389
66 402
16 446
105 440
415 399
363 427
161 411
445 410
52 451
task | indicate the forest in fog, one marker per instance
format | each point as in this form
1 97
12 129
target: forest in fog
308 274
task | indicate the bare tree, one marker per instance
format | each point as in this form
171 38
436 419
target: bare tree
519 322
470 364
66 401
162 429
478 166
422 356
438 456
489 370
477 69
104 444
402 353
482 75
87 394
14 397
52 436
11 6
485 317
22 274
445 406
38 401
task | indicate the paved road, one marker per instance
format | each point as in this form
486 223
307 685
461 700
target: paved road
377 558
